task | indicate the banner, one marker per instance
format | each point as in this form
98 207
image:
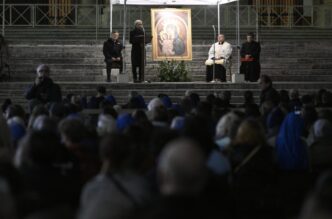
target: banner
171 31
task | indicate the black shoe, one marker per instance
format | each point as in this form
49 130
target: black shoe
108 80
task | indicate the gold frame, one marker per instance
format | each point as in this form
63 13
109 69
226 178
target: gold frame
169 27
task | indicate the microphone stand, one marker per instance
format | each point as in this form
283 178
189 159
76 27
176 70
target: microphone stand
143 56
214 55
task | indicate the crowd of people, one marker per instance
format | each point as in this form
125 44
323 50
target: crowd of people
201 157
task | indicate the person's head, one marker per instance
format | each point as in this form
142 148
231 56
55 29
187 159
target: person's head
308 100
58 110
132 94
123 121
322 128
195 99
116 152
6 103
228 125
155 103
15 111
284 96
5 135
200 128
294 94
248 97
7 208
318 203
182 169
44 123
265 82
252 111
140 116
37 148
309 115
72 131
327 99
106 124
221 38
227 95
43 71
250 132
115 35
101 90
177 123
204 108
250 37
159 114
138 24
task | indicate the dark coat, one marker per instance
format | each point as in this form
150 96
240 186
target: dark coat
137 40
112 49
46 91
270 94
251 70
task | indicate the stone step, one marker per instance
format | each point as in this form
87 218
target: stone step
198 33
151 90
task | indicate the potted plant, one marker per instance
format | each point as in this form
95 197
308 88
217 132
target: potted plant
172 71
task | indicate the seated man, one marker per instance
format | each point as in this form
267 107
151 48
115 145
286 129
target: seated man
112 51
44 90
219 56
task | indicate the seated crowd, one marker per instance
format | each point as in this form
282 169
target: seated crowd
198 158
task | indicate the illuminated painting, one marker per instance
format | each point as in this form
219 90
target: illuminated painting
171 31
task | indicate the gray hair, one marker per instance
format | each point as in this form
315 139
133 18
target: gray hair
106 125
154 104
137 22
182 168
43 66
228 125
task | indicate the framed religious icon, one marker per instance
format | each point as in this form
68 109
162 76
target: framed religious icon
171 31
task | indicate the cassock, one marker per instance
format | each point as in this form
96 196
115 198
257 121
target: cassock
138 52
223 51
112 49
251 69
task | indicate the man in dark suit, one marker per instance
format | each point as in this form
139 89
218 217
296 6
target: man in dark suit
112 51
138 39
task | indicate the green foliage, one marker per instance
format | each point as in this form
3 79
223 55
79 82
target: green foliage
172 71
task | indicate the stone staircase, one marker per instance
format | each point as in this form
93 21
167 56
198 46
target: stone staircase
200 35
15 90
299 59
284 61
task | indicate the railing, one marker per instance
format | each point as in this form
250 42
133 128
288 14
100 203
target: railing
37 15
278 16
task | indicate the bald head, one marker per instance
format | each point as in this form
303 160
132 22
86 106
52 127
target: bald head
43 70
181 169
221 38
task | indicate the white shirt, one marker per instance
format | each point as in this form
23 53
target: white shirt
222 50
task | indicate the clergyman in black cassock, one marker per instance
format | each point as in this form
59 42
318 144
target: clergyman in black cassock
138 39
250 53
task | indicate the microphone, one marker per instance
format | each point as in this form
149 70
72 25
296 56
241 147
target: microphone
214 28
